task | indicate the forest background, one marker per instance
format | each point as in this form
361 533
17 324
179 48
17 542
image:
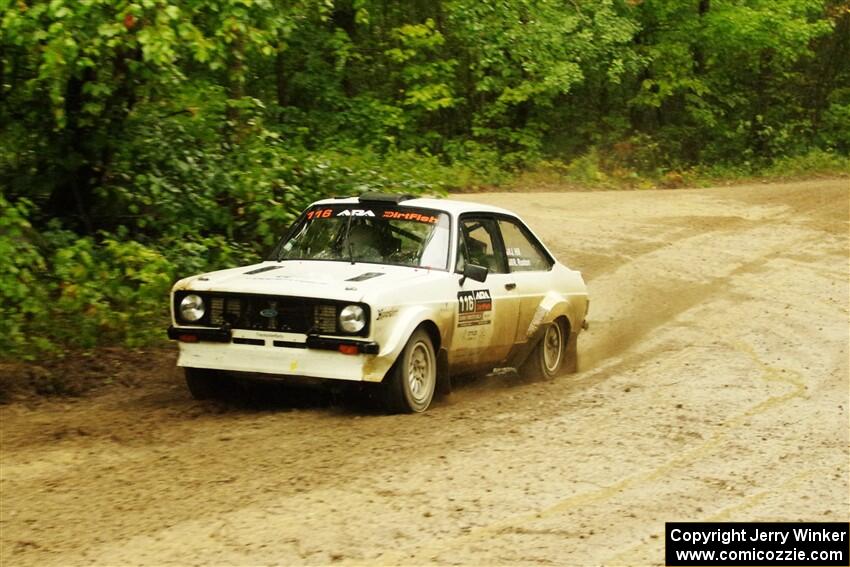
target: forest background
142 141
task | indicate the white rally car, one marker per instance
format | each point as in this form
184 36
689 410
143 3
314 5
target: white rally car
387 289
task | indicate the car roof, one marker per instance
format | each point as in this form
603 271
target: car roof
450 206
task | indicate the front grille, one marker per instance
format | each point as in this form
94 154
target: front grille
272 313
324 318
262 313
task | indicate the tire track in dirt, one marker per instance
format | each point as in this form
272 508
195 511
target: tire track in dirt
691 456
725 515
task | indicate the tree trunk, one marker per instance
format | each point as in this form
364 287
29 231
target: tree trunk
71 197
699 54
235 82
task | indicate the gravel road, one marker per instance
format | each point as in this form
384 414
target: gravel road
713 386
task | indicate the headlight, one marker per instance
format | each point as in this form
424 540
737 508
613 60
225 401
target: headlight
352 318
192 308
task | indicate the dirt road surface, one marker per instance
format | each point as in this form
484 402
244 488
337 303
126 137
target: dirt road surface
713 386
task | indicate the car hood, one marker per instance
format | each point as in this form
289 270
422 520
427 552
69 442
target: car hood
316 279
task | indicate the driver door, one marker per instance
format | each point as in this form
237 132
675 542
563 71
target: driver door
486 312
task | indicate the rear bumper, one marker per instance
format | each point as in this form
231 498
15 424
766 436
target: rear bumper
280 354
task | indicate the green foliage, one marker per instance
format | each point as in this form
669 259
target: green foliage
107 291
62 290
834 131
23 293
424 80
725 84
815 162
144 140
525 56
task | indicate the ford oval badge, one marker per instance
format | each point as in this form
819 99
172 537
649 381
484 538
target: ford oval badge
270 312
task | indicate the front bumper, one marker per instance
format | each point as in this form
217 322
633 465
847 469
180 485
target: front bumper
199 335
283 354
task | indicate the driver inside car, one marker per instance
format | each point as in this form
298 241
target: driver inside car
371 244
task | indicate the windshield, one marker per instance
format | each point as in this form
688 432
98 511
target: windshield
401 236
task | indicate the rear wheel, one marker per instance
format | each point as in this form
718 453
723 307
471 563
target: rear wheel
409 386
549 358
202 383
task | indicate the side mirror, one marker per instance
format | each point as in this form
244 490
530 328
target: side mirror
473 272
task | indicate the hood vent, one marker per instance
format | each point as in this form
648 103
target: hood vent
263 269
364 277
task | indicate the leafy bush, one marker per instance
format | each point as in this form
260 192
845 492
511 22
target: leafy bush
108 291
75 292
815 162
24 292
835 130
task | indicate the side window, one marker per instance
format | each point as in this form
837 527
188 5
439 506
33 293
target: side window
523 253
478 243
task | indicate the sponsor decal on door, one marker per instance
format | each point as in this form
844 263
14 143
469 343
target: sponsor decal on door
474 308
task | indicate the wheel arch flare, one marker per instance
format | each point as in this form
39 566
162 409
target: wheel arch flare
408 320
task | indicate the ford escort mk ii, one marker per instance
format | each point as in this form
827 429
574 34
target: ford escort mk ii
396 291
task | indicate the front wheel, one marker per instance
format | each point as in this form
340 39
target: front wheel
409 386
554 354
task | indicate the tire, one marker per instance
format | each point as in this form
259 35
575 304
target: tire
202 383
410 383
553 355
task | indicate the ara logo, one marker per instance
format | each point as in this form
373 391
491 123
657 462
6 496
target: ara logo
355 213
271 312
482 294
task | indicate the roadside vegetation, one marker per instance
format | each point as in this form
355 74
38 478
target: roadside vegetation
142 141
